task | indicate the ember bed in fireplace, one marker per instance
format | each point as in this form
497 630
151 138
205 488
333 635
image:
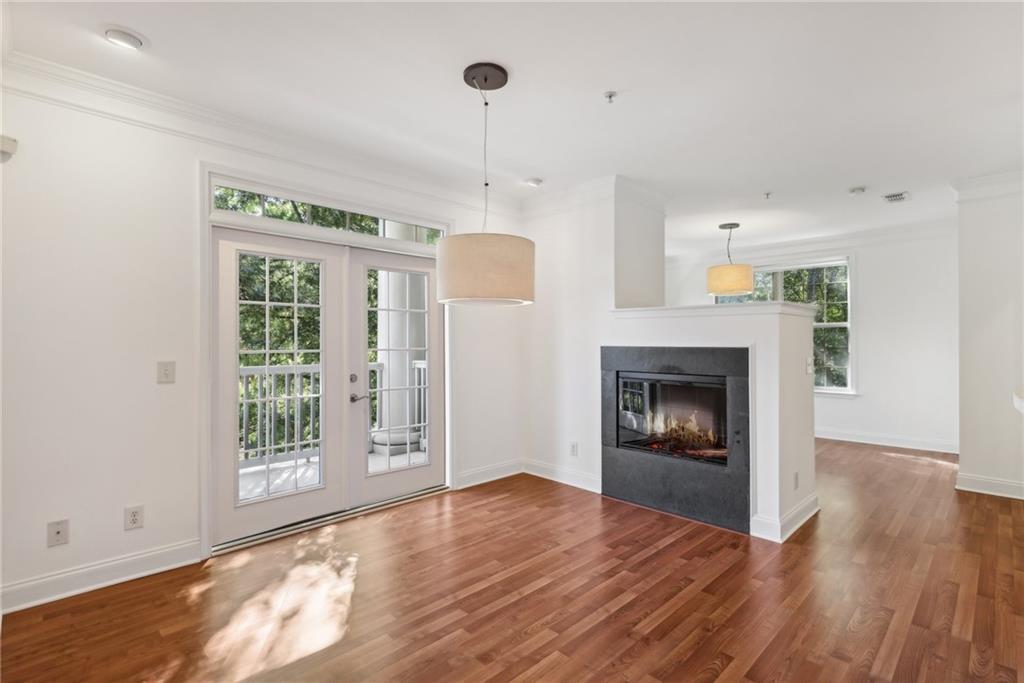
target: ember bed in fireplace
675 430
681 416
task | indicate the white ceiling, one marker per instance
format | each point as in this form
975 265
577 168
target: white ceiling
718 103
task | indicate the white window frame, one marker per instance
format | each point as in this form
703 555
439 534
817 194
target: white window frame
850 390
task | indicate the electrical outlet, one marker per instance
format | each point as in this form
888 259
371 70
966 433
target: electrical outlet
796 480
165 371
134 518
574 449
57 533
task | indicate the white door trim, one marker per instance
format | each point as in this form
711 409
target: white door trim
207 220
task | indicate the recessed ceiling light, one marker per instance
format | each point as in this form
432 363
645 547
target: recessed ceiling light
534 182
123 38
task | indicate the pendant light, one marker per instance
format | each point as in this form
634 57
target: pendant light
485 268
730 279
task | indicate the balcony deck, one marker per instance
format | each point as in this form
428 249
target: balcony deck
252 481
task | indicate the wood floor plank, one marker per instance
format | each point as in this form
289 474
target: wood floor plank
898 578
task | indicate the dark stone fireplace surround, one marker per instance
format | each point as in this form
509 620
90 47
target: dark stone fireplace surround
704 491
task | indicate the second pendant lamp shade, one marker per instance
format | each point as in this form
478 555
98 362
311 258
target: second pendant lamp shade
730 279
485 268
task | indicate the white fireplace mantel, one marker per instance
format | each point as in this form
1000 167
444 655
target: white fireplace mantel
719 310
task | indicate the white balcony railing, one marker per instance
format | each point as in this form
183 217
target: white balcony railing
378 378
279 409
263 388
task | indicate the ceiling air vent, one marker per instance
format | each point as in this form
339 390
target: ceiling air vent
896 197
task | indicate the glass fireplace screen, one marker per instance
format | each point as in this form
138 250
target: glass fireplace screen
681 416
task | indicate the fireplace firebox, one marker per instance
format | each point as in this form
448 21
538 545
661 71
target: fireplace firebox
679 416
675 430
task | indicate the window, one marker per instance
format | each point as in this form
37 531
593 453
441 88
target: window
828 287
283 209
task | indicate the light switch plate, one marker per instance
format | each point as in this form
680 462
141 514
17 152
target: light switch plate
810 365
165 371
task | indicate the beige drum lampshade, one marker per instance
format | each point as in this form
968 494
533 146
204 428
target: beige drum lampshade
731 279
485 268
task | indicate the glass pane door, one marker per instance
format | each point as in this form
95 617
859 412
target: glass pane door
398 347
279 376
278 454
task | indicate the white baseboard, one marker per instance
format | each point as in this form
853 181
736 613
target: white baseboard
768 528
778 530
66 582
795 518
891 440
480 475
1007 488
564 475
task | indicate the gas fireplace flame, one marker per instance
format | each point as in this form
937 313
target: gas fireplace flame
667 426
667 434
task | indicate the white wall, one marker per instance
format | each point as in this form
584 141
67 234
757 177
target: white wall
101 279
991 334
639 251
904 331
575 290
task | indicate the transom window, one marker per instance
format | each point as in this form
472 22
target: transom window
294 211
826 286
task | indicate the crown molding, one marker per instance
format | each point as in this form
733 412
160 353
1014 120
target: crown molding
20 62
988 186
89 93
838 245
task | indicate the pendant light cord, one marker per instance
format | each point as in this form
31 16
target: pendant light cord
728 246
487 183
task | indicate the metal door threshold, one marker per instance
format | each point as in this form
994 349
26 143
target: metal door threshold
322 520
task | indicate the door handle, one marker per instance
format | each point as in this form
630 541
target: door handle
352 398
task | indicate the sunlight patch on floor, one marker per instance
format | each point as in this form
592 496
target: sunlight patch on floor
921 458
291 618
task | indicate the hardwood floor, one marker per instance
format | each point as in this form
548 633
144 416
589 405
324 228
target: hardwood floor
898 578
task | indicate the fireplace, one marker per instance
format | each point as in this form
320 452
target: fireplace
678 416
675 428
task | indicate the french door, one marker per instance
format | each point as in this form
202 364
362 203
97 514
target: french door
328 386
398 390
